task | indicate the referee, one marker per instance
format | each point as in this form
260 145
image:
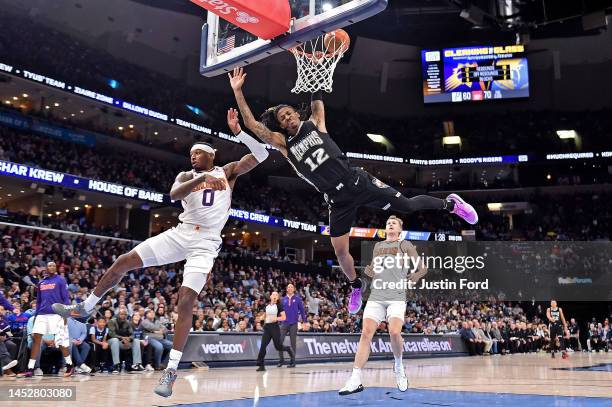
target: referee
271 331
294 308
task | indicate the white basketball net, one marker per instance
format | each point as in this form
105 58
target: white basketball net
315 65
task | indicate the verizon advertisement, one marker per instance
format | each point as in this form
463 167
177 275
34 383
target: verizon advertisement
232 347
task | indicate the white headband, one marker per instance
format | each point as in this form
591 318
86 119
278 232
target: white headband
203 147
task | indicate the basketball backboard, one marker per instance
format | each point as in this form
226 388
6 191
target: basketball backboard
225 46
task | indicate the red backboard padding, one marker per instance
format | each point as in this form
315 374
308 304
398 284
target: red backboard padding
264 18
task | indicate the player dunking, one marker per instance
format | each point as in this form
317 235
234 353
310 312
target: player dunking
558 329
385 303
317 159
206 194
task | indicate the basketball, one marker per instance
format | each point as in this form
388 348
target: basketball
337 41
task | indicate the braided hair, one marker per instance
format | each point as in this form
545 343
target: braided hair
270 117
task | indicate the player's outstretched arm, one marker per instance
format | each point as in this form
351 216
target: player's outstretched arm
249 161
273 138
318 111
185 182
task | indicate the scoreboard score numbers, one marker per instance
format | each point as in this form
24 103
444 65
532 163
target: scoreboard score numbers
474 74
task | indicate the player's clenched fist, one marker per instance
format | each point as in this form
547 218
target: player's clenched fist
216 184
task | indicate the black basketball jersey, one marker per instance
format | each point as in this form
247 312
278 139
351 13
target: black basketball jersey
317 158
555 314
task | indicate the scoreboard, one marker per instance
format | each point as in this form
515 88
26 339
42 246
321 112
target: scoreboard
475 74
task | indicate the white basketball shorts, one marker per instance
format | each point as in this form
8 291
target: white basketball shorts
183 242
52 324
384 310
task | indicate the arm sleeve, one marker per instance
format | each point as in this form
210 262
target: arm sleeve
5 303
302 311
257 149
112 326
83 332
37 298
147 326
307 291
64 292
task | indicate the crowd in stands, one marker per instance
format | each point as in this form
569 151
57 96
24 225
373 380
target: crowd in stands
592 212
143 306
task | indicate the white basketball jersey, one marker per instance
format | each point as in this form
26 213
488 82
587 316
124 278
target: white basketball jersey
206 207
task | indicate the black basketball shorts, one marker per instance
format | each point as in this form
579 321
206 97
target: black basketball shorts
360 189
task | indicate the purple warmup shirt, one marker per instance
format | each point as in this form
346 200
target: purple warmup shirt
51 290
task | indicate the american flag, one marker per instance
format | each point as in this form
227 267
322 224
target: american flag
226 45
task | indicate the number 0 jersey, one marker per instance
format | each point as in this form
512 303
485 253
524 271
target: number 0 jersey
206 207
317 158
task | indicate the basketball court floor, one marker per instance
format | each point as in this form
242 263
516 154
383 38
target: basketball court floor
518 380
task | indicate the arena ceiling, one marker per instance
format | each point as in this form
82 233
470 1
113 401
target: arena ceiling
170 28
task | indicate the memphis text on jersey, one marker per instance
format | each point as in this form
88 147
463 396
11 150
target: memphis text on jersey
311 140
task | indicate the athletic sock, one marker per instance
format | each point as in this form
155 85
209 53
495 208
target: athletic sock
357 373
91 302
356 283
399 363
31 363
449 205
175 358
68 360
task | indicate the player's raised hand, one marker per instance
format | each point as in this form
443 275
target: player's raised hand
216 184
232 121
237 78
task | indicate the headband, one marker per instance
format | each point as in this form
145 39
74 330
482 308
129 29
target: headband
203 147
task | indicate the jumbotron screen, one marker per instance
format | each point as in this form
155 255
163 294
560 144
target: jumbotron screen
474 74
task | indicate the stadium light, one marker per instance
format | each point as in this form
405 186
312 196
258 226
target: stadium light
450 140
25 95
156 215
494 207
99 205
56 104
566 134
377 138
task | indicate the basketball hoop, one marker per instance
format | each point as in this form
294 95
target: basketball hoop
317 59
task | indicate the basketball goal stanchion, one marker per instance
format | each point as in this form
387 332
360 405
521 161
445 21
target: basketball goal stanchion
317 59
